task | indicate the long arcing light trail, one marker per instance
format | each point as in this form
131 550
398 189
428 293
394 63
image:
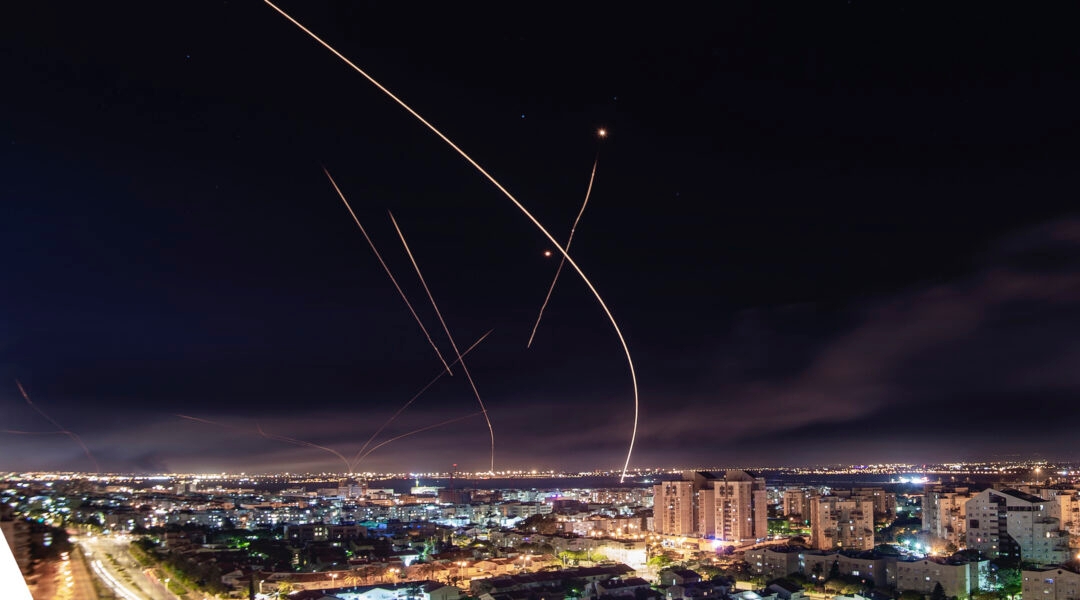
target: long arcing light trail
460 356
295 441
60 428
413 432
569 240
592 288
387 269
279 438
413 399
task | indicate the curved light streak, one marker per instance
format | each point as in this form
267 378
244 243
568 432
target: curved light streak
460 356
60 428
414 432
387 269
469 159
569 240
413 399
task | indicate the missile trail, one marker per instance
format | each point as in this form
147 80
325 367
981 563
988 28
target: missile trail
413 399
297 442
387 269
207 421
569 240
414 432
269 436
453 345
60 428
21 432
509 196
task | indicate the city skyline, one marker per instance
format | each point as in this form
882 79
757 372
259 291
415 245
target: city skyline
823 242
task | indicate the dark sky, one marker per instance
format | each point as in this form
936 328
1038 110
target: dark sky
830 231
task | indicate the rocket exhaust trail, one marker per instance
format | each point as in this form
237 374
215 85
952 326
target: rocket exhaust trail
509 196
413 432
297 442
569 240
60 428
413 399
207 421
387 269
269 436
21 432
453 345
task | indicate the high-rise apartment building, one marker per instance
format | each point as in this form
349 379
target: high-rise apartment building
731 507
944 516
797 502
842 523
1013 524
741 507
673 508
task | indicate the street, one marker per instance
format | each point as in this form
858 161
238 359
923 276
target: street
125 577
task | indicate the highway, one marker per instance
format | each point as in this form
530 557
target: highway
124 577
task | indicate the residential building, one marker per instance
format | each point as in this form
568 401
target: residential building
869 566
842 523
673 508
1014 524
1057 583
1065 507
796 502
741 503
944 517
957 578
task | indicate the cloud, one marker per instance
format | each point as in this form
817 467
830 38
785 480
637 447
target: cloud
1005 331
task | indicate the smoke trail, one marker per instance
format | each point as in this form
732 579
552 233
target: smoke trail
562 261
387 269
453 345
207 421
297 442
60 428
413 399
280 438
509 196
413 432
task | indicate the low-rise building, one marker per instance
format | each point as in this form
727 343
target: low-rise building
957 578
1057 583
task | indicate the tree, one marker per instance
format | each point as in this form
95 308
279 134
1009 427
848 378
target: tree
910 595
834 570
951 548
938 593
659 561
816 572
542 524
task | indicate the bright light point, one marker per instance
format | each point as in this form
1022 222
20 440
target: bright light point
547 253
602 133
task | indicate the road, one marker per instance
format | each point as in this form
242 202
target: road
124 577
82 583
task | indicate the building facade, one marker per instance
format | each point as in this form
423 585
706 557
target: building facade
741 504
1050 584
1013 524
673 508
842 523
944 516
957 578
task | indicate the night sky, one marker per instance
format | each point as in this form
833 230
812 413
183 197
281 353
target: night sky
830 231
